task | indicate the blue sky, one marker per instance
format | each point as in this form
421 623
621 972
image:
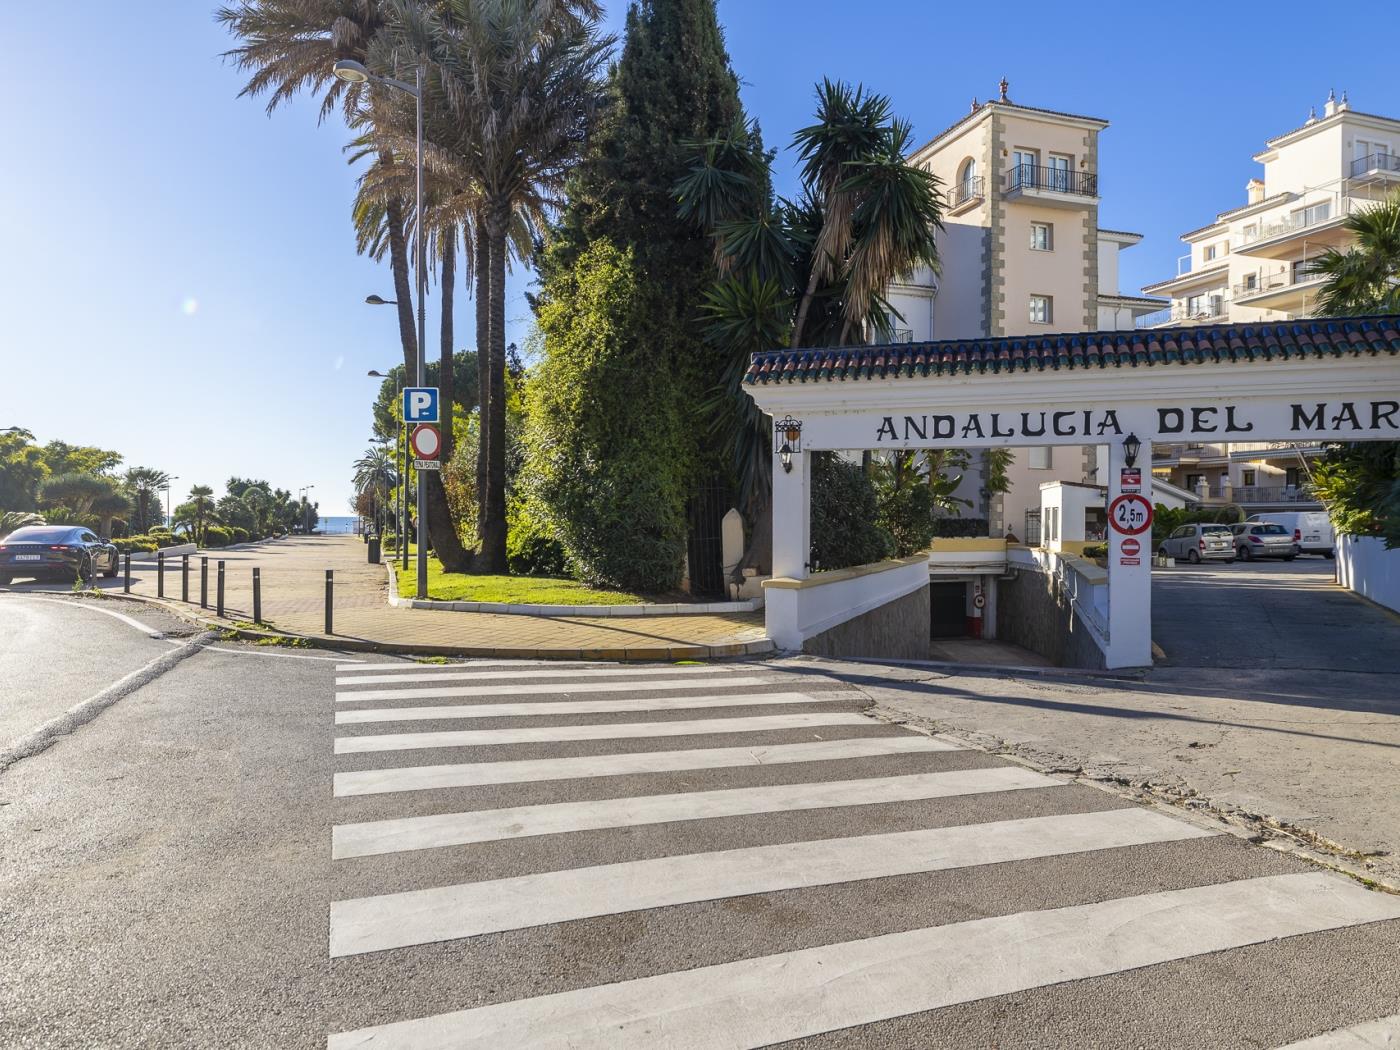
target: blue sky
179 274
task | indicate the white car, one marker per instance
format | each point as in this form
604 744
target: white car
1312 530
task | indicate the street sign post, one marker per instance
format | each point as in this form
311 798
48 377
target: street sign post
420 404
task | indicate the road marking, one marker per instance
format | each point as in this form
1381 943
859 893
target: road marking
263 652
771 999
146 629
396 920
353 716
455 829
455 673
414 665
1373 1035
350 745
526 771
558 688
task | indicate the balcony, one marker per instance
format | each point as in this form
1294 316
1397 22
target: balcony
1289 290
966 194
1320 223
1248 494
1208 310
1055 187
1376 165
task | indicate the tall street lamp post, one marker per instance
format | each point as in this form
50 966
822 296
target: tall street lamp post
400 456
168 523
306 509
353 72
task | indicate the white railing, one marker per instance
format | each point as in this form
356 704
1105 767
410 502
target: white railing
1084 586
1304 218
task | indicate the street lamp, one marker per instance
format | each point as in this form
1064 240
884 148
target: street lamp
1132 445
168 523
401 462
375 300
352 72
306 509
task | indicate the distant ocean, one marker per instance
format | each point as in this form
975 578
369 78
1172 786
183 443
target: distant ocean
336 525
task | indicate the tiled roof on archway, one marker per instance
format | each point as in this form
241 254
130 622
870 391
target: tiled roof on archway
1317 338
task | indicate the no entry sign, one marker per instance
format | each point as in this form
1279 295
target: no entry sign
1130 514
1130 546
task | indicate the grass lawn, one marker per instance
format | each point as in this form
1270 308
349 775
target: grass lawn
518 590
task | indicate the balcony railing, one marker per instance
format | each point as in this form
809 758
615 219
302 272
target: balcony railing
1274 494
1375 162
973 189
1303 219
1254 284
1058 180
1211 307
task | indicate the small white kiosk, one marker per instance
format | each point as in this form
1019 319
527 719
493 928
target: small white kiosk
1324 379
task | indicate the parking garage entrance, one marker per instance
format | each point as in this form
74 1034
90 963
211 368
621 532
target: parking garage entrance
1325 379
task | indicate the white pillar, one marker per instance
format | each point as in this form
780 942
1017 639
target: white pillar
1129 585
792 532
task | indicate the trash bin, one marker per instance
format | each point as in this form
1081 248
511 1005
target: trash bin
374 550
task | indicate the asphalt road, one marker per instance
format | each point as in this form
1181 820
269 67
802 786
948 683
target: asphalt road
1270 615
247 852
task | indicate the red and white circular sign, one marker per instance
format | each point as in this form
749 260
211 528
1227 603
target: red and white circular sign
1130 514
1130 546
426 441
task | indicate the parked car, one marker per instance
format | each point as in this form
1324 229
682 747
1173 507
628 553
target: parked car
1312 529
1263 539
1200 542
65 551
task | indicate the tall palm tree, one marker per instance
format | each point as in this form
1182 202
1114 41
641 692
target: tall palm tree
201 507
522 79
1364 279
376 476
144 484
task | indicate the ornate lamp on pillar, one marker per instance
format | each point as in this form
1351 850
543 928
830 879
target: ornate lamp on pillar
789 432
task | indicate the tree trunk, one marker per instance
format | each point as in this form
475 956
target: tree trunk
398 264
493 530
482 266
447 541
803 307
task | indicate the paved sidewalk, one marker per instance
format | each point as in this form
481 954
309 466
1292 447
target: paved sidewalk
293 599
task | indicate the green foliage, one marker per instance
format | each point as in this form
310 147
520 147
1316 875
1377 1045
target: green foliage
515 590
22 468
533 549
844 513
63 458
911 487
961 528
135 544
217 536
604 473
17 519
388 405
1359 483
1095 550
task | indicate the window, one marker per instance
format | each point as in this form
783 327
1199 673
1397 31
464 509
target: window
1208 252
969 185
1291 477
1042 309
1057 169
1249 478
1312 214
1025 164
1041 458
1193 481
1193 305
1251 282
1042 236
1052 526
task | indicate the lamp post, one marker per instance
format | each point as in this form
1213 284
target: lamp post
306 509
400 458
168 523
353 72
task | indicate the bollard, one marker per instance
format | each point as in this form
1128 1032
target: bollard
126 575
219 609
160 574
257 596
330 600
204 583
184 577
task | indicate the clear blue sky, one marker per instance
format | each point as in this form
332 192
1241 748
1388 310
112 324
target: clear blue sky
179 275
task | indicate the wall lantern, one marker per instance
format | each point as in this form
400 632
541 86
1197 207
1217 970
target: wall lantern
789 432
1131 447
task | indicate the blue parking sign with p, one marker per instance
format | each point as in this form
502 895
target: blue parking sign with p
420 404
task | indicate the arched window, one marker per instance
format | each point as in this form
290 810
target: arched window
969 185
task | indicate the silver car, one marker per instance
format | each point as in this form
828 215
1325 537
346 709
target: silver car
1198 543
1264 539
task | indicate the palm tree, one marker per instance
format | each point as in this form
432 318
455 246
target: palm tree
376 476
144 484
17 519
201 510
1364 279
521 79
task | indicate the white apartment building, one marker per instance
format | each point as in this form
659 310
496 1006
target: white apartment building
1022 254
1252 263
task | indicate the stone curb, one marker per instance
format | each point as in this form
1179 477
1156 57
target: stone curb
510 609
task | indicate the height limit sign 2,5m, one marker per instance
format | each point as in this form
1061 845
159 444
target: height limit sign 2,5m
1130 514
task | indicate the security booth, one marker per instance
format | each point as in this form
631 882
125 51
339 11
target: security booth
1326 379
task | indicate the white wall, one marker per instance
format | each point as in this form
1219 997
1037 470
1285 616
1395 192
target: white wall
1366 567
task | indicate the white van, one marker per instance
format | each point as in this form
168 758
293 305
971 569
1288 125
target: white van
1312 531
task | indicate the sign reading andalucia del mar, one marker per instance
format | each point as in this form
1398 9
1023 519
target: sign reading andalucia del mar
1302 420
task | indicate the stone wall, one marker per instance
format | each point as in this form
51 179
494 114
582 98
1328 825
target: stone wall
1034 613
896 631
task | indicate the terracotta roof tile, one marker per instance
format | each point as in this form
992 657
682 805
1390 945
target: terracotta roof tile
1322 337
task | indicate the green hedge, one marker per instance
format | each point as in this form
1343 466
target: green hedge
217 536
135 544
961 528
844 509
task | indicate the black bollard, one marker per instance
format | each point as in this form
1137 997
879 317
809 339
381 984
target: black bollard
160 574
126 574
184 577
257 596
219 610
330 600
204 583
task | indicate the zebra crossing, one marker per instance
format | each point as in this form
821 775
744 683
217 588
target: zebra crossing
734 856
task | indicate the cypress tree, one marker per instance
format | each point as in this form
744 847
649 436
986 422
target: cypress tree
672 86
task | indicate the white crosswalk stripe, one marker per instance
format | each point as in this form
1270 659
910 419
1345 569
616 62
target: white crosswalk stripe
420 916
480 774
453 829
561 688
774 998
537 708
347 745
854 819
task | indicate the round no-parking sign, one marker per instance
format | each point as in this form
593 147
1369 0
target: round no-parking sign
426 441
1130 514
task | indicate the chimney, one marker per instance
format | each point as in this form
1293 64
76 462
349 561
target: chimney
1254 191
1331 105
1344 103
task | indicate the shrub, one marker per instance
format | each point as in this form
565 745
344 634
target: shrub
134 544
1096 550
217 536
961 528
532 549
843 516
605 475
239 534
